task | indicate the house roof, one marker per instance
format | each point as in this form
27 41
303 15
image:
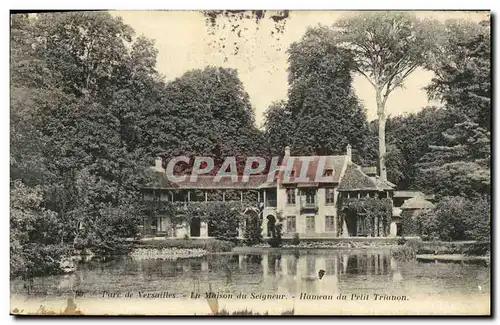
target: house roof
355 180
417 203
209 182
411 194
333 163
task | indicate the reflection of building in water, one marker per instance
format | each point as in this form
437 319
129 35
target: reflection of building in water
307 267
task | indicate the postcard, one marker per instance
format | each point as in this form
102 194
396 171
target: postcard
258 162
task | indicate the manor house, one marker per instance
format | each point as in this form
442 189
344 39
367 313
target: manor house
311 209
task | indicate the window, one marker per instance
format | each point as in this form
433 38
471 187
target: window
329 196
290 196
310 196
329 223
310 223
328 172
290 224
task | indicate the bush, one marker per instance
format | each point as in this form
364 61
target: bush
296 239
276 240
459 218
477 249
253 230
403 253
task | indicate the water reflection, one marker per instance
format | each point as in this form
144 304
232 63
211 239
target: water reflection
290 272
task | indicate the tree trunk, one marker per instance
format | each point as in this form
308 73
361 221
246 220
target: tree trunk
381 135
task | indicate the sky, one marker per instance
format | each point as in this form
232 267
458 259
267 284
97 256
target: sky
185 41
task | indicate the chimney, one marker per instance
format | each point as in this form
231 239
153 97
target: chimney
349 152
159 164
287 151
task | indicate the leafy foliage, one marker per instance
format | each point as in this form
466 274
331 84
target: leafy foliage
461 62
455 218
252 228
36 237
461 166
322 114
371 208
386 47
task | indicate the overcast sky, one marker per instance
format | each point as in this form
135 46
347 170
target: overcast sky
183 41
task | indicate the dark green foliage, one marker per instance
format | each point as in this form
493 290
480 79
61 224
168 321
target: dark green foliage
322 114
296 239
209 114
419 223
252 229
403 253
276 239
89 111
371 208
36 245
455 218
462 67
461 166
408 139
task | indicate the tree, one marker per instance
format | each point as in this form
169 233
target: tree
387 47
36 245
322 114
77 79
408 139
209 113
461 166
461 61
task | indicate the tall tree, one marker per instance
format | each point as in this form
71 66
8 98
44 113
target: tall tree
209 113
387 47
322 114
461 62
77 81
408 139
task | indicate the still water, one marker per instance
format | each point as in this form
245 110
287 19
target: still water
289 272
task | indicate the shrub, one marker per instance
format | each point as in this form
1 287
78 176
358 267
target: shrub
253 230
477 249
296 239
276 240
414 244
459 218
403 253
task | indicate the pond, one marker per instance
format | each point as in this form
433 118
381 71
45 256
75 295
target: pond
309 276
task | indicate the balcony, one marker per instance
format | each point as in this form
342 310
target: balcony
271 204
308 205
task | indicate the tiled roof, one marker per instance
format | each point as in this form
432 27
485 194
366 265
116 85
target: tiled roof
355 180
333 163
208 182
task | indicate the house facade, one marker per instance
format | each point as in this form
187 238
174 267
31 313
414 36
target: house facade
308 206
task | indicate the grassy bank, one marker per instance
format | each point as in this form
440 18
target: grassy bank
449 251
